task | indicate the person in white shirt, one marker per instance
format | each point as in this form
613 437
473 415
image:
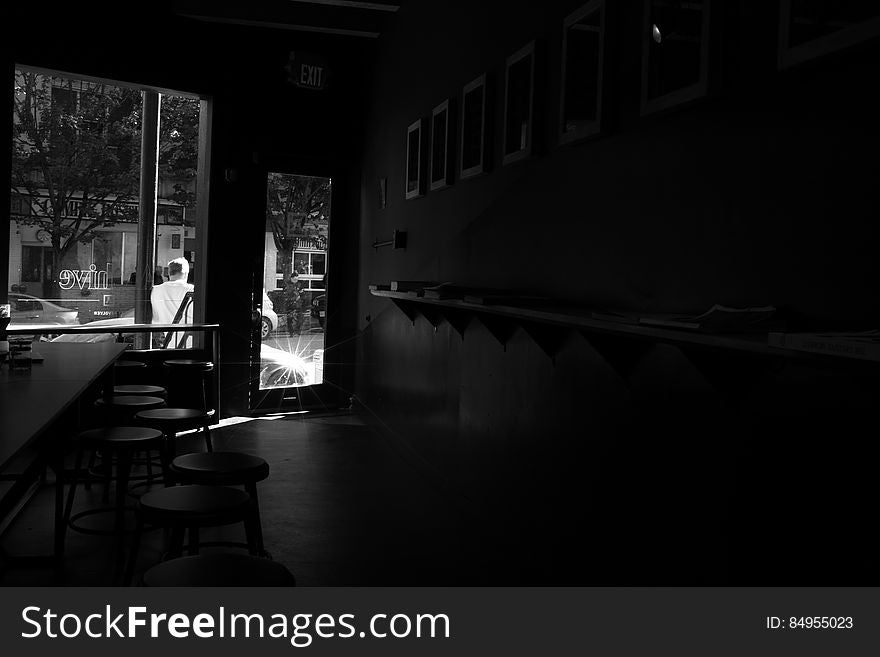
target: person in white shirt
168 298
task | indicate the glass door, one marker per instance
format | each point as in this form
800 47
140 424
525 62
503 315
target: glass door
292 311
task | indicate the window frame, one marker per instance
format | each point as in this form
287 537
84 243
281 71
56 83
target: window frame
84 83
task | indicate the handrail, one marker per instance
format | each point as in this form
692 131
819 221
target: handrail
66 329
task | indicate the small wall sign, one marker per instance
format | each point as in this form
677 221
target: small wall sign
308 71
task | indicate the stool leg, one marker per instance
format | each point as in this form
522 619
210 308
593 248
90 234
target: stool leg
123 469
92 457
107 472
176 546
250 535
165 459
57 465
193 540
133 553
171 441
257 525
208 438
69 506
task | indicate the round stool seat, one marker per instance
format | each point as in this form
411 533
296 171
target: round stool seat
187 509
182 504
129 371
174 417
220 569
189 364
143 390
223 468
121 437
129 363
133 403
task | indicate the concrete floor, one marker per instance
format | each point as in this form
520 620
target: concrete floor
340 508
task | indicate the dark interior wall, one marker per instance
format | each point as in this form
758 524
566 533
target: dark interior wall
597 460
750 196
259 121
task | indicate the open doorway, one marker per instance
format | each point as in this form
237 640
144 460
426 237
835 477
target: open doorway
295 290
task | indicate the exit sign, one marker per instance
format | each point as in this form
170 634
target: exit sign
307 71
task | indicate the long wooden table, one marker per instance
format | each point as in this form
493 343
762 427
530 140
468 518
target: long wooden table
38 412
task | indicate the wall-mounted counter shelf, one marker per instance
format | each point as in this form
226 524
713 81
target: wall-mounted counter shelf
549 325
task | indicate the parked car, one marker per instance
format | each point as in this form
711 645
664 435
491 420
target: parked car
319 308
270 319
278 368
27 309
125 319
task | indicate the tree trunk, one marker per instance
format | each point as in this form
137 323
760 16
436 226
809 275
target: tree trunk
285 258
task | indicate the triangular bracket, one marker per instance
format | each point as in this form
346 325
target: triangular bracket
458 319
408 308
622 354
433 314
549 337
501 328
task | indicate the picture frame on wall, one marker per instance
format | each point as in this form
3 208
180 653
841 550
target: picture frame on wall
812 29
442 139
476 127
583 47
675 52
519 105
415 168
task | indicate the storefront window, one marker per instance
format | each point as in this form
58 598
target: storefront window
88 137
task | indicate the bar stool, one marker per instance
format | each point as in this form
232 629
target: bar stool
128 371
140 389
172 421
123 443
219 569
120 409
190 507
226 469
188 382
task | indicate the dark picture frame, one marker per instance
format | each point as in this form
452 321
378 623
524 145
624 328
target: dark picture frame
415 166
583 59
442 139
475 122
675 52
517 140
822 27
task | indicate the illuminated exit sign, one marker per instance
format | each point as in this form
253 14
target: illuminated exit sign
307 71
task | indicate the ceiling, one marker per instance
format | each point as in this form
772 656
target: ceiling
351 18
